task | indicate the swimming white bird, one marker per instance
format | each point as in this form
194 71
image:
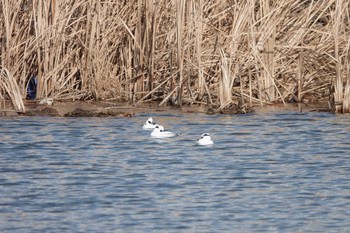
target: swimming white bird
204 140
159 132
149 124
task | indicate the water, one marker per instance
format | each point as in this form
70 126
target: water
268 172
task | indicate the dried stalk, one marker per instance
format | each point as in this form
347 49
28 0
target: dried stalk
9 85
109 43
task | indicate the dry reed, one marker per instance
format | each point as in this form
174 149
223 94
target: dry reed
9 87
178 51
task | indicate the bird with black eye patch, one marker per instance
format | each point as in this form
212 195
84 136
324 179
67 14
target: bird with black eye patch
204 140
149 124
159 132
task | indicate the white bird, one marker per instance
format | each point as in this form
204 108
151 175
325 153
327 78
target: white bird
149 124
48 101
159 132
204 140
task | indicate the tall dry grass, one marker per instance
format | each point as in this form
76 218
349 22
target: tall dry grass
9 89
179 51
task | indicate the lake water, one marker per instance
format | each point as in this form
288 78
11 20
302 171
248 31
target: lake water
268 172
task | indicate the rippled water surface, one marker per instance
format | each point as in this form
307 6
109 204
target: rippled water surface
280 171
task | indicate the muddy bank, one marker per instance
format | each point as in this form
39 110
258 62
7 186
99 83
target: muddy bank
77 109
94 108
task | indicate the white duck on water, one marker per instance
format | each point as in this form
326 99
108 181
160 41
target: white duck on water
149 124
205 140
159 132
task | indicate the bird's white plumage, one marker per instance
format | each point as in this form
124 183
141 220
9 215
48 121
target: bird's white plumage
149 124
159 132
204 140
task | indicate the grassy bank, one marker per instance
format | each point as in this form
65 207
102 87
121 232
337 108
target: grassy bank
216 53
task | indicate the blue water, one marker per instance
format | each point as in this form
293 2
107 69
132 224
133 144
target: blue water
267 172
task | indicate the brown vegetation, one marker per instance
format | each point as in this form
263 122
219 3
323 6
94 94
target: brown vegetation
215 53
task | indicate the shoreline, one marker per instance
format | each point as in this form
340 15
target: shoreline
95 108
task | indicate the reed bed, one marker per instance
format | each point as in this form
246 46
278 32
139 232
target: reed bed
179 51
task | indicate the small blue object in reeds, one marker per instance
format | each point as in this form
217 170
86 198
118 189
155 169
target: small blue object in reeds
32 86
